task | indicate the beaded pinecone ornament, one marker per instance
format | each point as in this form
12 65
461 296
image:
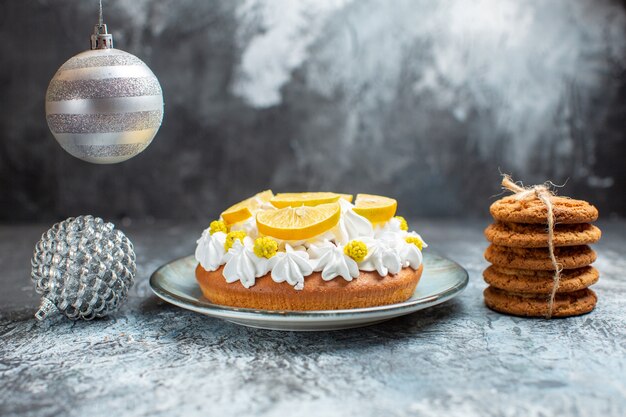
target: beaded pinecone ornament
82 267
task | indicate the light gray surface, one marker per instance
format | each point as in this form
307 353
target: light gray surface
456 359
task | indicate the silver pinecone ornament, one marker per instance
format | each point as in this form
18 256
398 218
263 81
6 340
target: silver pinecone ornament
82 267
104 105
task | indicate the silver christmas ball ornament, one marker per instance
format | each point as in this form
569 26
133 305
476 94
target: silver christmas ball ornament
83 268
104 105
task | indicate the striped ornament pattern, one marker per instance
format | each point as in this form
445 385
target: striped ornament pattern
104 106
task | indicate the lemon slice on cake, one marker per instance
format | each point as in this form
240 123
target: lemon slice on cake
246 208
282 200
298 223
375 208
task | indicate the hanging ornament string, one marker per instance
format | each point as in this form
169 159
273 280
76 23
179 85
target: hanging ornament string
100 15
543 193
101 39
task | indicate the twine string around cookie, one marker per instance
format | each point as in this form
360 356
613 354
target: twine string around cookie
543 193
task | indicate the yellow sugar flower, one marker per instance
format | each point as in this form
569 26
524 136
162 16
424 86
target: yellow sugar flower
403 224
356 249
415 240
218 226
265 247
230 238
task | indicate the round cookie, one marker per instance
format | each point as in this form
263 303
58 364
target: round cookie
522 235
533 210
539 282
565 304
538 259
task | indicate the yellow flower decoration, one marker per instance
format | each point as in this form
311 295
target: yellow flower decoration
265 247
403 224
356 249
230 238
415 240
218 226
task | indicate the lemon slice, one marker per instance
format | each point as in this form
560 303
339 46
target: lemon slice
298 223
246 208
347 197
281 200
375 208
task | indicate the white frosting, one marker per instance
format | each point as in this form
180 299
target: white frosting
392 226
243 265
248 226
304 244
387 251
417 235
381 257
410 255
210 250
351 225
264 205
291 266
332 261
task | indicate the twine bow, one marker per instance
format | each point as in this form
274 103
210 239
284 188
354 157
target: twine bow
543 193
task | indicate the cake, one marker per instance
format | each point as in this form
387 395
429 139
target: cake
309 251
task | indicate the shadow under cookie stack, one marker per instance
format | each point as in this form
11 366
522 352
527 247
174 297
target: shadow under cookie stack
522 277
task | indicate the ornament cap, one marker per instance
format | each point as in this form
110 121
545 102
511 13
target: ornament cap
45 309
101 38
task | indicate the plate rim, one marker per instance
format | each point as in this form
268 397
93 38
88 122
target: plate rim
208 308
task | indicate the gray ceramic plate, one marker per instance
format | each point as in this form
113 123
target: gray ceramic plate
175 283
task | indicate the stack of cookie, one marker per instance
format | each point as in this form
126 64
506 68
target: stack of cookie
521 277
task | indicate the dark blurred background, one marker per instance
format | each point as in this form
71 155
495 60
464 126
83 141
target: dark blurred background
420 100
